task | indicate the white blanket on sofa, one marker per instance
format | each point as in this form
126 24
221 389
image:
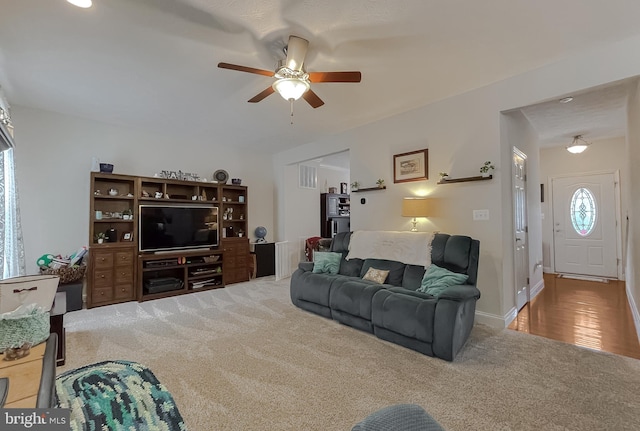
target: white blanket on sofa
412 248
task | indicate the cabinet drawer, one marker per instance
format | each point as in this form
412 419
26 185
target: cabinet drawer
123 291
124 275
24 380
103 260
103 278
124 258
101 294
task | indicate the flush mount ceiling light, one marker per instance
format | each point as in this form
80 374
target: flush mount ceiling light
578 145
81 3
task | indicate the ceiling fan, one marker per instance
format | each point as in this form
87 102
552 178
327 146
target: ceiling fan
292 80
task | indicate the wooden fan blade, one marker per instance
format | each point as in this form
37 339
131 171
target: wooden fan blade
258 97
245 69
335 76
313 99
296 52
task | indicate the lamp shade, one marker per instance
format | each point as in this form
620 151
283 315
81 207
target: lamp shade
291 88
415 207
578 145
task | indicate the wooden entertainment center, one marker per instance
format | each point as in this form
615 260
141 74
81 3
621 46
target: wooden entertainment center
119 272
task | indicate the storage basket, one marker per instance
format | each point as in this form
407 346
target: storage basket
32 328
67 274
30 289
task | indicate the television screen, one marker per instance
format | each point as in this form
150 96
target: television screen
172 227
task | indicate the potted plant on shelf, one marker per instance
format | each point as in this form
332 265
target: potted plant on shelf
127 214
100 236
380 183
355 185
487 168
443 176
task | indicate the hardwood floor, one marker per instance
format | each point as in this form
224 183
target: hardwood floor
585 313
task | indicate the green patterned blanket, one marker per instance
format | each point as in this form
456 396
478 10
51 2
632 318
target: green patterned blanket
117 395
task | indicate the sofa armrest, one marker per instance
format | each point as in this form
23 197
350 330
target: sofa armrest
306 266
460 292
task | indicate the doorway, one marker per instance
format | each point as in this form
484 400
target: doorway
585 225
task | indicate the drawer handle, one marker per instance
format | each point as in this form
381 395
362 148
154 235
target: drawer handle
102 293
123 273
102 259
102 276
123 289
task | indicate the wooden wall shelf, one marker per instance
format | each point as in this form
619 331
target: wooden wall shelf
369 189
464 180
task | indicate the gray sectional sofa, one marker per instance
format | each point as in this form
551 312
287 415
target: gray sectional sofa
395 311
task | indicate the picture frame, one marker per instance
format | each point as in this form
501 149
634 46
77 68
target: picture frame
127 236
411 166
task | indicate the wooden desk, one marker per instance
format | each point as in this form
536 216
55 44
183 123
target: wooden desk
24 378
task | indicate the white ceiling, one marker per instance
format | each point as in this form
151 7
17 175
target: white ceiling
152 63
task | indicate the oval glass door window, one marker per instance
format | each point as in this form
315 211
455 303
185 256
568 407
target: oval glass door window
583 211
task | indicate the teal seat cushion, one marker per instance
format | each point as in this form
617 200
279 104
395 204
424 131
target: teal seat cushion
437 279
325 262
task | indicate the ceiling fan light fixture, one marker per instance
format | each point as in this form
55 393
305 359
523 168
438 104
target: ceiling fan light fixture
578 145
291 88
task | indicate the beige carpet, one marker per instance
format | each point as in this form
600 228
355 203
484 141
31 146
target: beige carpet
244 358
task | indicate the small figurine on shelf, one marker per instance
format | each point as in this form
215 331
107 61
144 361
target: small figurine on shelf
380 183
487 168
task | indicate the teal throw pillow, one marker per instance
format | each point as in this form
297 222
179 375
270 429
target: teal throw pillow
325 262
437 279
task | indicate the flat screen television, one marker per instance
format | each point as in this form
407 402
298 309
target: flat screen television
177 227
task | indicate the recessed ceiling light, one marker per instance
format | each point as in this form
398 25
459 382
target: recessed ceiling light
81 3
563 100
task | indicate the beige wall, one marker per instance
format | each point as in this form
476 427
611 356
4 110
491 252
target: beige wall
53 160
633 197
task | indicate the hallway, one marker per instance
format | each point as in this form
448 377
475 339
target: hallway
585 313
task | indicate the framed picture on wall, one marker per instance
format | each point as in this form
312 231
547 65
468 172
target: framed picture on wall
412 166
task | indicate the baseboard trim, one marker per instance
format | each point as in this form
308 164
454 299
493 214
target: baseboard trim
495 320
634 310
535 290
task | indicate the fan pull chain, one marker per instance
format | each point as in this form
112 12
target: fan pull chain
291 100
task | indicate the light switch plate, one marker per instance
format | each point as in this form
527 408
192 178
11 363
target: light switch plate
480 215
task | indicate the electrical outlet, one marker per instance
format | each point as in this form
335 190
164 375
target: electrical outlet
480 215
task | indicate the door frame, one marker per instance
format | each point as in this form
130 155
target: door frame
618 216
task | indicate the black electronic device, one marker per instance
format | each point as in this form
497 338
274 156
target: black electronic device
163 284
161 263
177 227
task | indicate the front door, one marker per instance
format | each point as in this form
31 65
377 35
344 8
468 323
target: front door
521 248
584 225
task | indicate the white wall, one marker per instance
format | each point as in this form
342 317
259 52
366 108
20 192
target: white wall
602 155
462 132
53 161
633 198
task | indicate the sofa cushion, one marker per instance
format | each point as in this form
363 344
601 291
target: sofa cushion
412 276
351 267
353 296
377 275
325 262
396 269
404 312
437 279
